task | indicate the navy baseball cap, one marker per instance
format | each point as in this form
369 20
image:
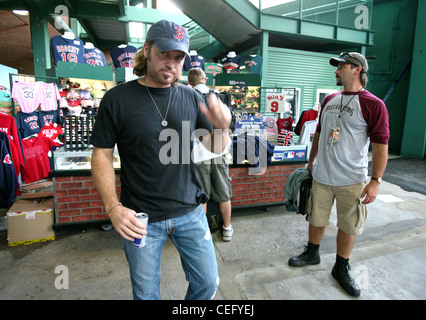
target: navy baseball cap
169 36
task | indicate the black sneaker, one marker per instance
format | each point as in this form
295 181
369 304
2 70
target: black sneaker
309 257
340 272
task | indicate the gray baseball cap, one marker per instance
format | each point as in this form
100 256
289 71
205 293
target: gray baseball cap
169 36
351 57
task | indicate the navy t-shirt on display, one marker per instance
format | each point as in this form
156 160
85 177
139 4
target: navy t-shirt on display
230 64
95 57
122 57
64 49
195 61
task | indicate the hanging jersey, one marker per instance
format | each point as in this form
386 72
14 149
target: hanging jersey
69 50
251 64
28 123
307 135
8 126
27 95
8 180
95 57
36 152
308 115
230 65
276 103
50 96
12 151
286 123
52 131
48 117
123 57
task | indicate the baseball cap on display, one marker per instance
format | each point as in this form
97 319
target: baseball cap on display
169 36
351 57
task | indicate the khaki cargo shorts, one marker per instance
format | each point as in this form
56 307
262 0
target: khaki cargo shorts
214 177
351 213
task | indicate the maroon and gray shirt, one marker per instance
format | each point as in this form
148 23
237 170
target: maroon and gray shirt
344 142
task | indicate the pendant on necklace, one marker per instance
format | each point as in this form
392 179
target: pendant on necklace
164 123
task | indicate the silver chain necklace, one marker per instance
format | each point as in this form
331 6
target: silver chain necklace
164 122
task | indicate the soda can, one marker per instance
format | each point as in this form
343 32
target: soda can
143 217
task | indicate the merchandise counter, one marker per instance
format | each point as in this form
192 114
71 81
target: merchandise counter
76 199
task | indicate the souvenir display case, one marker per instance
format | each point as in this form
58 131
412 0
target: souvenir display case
244 90
71 160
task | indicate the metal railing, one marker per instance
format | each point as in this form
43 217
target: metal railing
343 13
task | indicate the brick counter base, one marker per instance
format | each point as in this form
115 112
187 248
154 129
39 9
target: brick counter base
77 200
249 190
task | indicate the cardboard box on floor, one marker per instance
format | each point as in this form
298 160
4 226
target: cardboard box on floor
30 221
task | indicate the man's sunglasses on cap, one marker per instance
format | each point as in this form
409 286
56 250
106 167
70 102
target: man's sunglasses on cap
345 55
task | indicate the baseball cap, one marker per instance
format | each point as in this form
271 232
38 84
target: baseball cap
169 36
351 57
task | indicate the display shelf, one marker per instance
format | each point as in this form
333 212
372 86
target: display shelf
77 159
80 70
244 90
236 79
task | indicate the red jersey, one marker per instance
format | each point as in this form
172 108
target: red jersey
36 152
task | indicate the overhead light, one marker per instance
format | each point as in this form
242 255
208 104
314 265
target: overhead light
20 12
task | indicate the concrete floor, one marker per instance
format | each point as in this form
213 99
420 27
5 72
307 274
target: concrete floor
387 261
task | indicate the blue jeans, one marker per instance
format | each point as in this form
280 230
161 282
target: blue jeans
190 234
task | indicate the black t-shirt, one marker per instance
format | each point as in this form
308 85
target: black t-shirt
157 173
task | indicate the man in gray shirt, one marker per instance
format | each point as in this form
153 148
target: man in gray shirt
348 121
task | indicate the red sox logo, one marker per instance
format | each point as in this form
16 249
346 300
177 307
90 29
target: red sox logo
179 33
7 159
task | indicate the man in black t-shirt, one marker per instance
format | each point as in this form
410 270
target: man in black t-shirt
152 120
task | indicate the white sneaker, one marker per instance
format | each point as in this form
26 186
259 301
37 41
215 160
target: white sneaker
227 233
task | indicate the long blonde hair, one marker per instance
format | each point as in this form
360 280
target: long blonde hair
140 63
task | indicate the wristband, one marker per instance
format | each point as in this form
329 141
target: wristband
116 205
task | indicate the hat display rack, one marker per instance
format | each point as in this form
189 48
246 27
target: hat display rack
80 99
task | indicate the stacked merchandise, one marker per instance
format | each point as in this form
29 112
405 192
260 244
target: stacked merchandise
79 103
285 138
285 129
78 131
38 125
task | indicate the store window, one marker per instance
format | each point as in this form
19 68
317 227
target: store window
322 93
